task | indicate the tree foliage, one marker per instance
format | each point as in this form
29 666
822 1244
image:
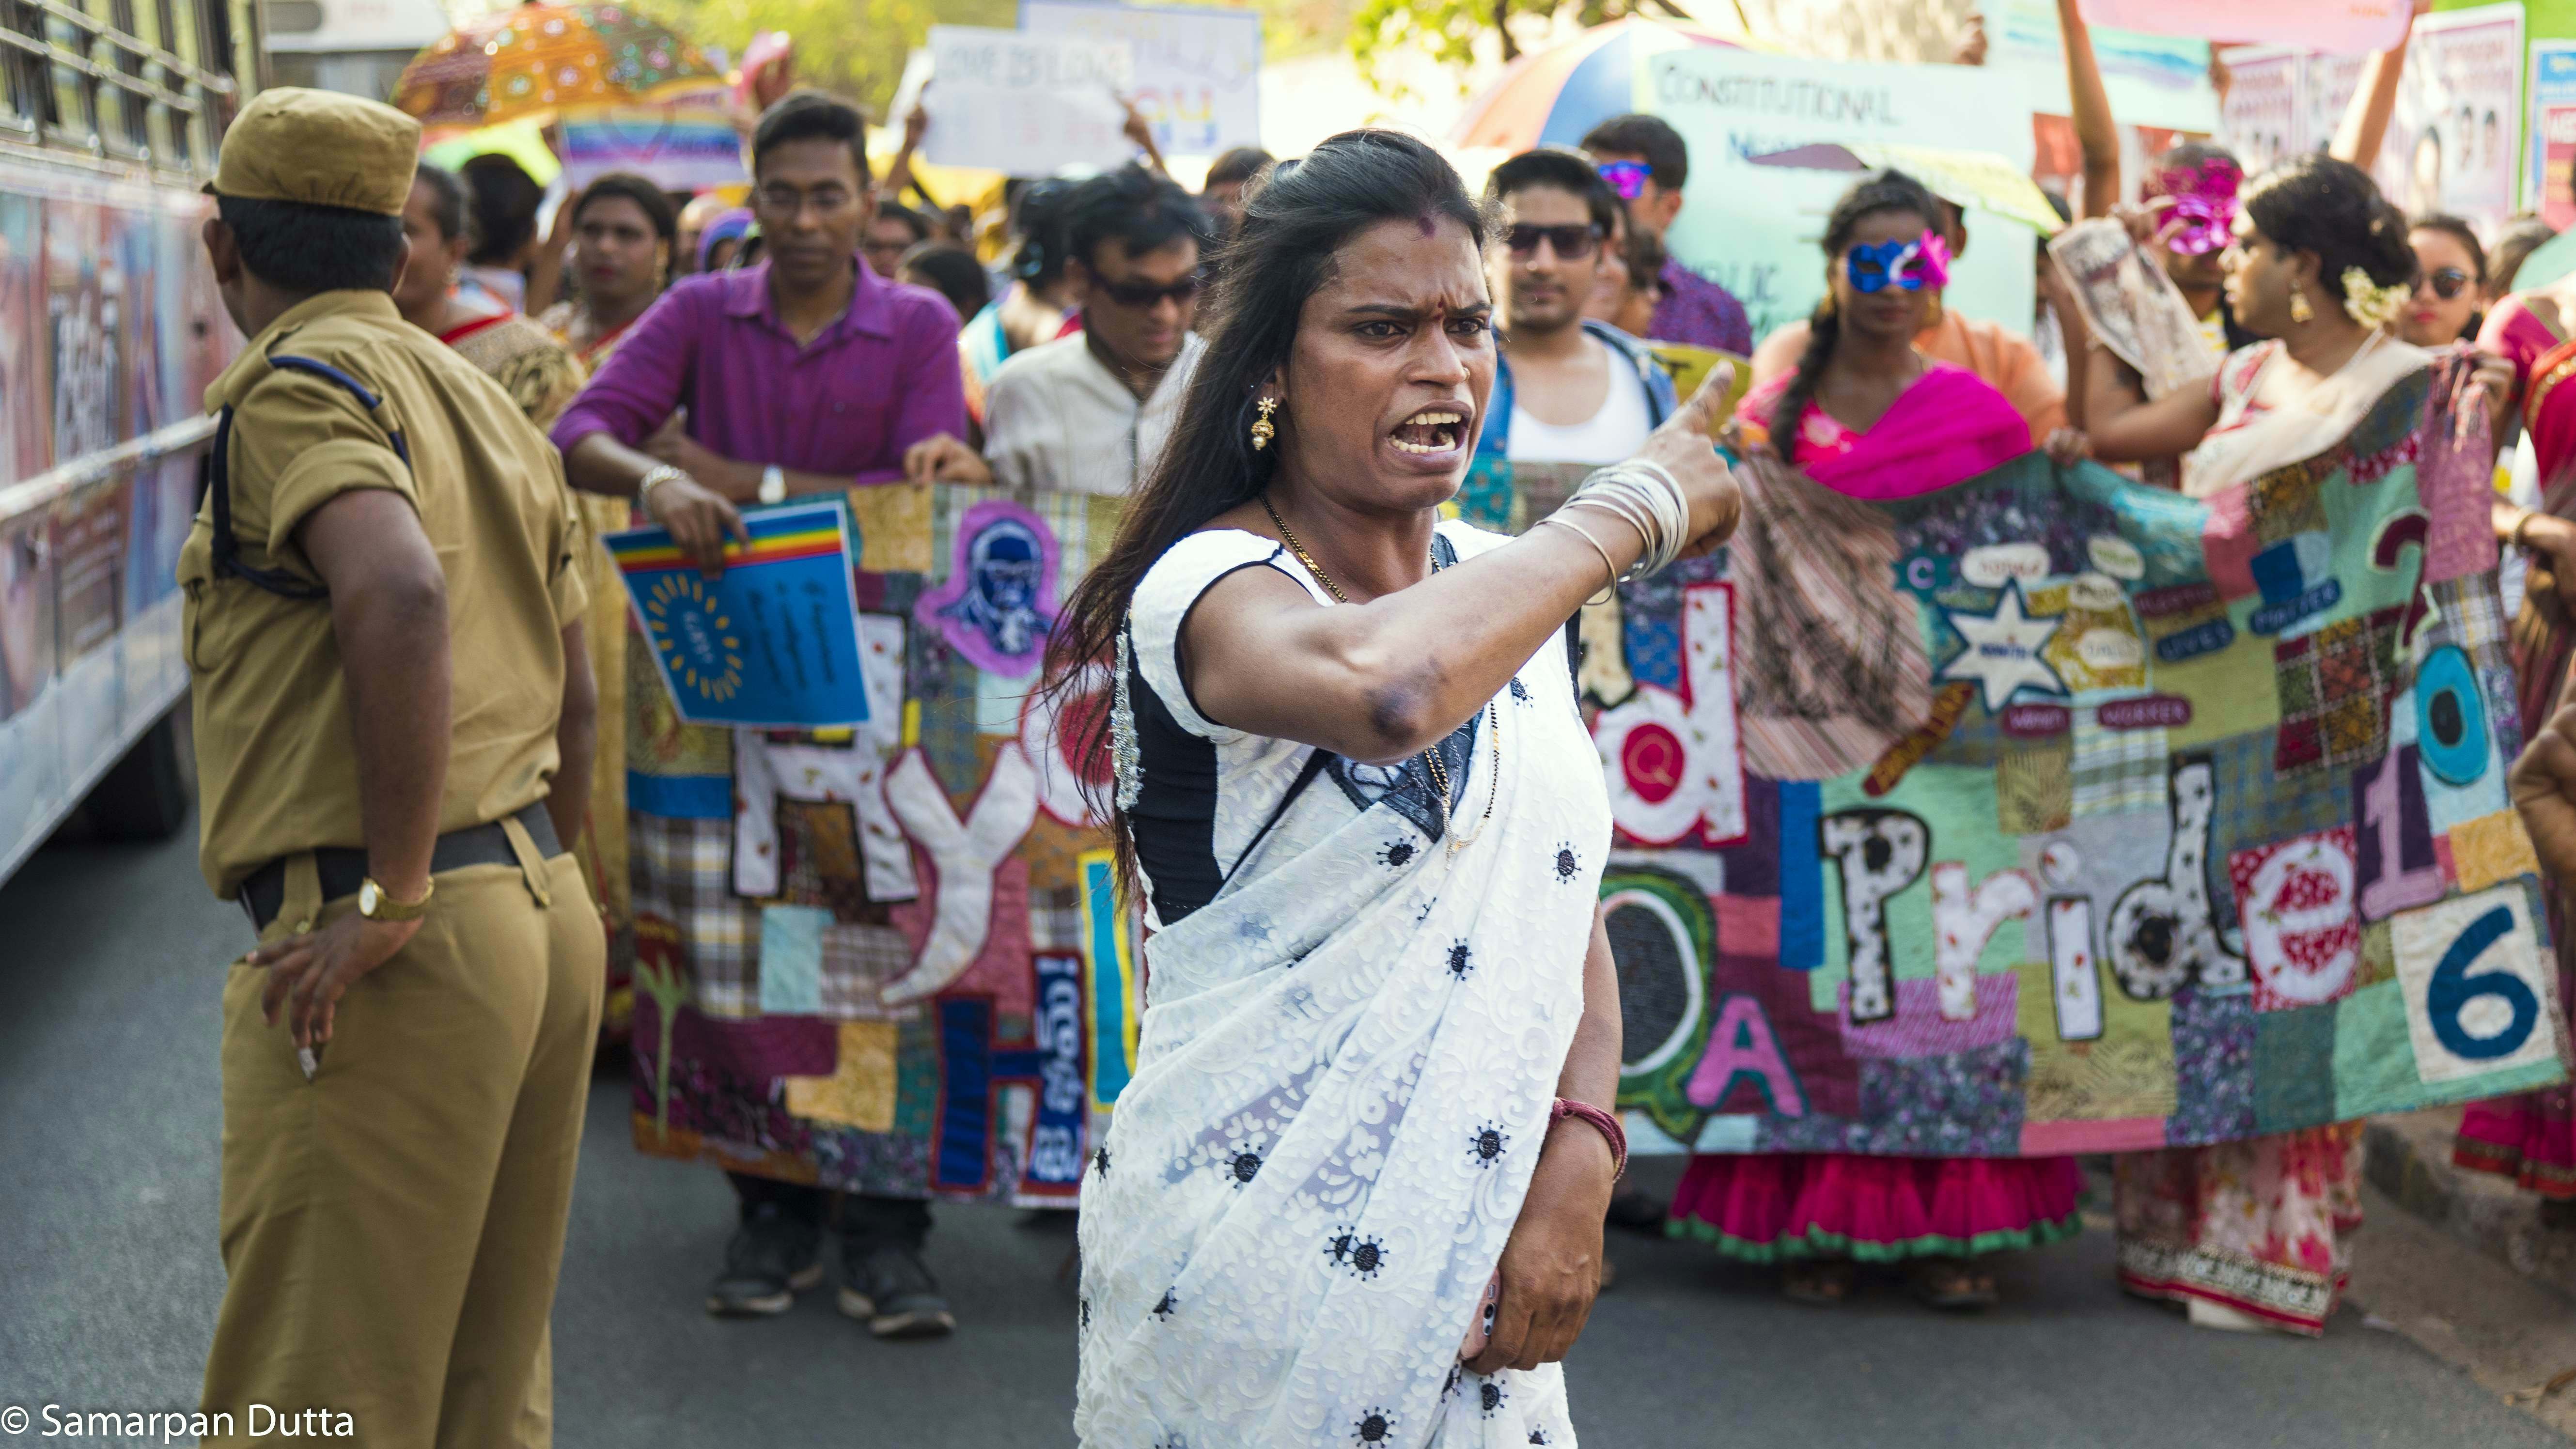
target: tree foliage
1448 30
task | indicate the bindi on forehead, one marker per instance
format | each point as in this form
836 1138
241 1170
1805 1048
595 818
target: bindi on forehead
1428 227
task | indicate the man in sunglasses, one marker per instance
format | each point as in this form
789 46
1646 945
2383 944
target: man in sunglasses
1571 394
1089 413
1645 161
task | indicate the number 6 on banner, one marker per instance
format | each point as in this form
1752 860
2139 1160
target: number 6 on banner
2452 989
2471 972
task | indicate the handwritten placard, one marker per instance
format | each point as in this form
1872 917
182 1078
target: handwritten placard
1198 68
1025 105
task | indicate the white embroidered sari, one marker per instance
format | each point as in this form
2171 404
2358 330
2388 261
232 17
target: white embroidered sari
1347 1058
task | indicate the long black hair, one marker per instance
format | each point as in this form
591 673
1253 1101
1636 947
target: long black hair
1294 224
2315 203
1879 191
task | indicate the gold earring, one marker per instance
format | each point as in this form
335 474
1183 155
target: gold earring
1825 308
1262 430
2300 311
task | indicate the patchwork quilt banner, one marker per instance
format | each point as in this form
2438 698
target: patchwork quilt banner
2045 813
888 958
2054 813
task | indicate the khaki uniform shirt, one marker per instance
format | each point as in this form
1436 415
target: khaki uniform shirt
276 752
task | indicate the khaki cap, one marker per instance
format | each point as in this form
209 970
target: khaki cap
320 148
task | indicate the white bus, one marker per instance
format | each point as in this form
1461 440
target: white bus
110 329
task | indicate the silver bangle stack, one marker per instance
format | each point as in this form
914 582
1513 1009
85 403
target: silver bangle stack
1644 495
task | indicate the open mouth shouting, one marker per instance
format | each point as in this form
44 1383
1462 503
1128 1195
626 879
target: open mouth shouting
1436 431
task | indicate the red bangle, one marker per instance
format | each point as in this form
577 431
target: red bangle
1601 1122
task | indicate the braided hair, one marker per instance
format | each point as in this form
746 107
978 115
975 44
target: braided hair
1879 191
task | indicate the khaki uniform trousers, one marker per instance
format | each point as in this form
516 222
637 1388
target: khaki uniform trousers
392 1228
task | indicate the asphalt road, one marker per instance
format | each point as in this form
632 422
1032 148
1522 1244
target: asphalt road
111 961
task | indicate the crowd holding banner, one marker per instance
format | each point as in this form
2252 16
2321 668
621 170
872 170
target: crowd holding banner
2095 738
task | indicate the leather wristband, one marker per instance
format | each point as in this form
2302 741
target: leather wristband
1600 1121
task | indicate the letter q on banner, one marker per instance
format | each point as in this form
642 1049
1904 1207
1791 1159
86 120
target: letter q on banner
1061 736
1673 763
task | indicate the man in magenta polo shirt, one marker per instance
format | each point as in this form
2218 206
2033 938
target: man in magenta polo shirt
804 374
1645 160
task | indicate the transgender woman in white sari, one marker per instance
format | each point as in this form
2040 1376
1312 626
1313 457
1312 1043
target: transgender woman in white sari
1381 1033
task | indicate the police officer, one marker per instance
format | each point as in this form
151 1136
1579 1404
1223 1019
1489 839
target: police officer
394 714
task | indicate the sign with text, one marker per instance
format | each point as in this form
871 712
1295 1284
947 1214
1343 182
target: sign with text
1025 105
2552 181
2342 27
2455 142
1198 69
1755 228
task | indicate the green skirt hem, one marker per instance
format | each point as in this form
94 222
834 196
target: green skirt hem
1821 1244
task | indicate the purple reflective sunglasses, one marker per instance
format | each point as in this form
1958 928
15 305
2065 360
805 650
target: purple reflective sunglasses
1628 178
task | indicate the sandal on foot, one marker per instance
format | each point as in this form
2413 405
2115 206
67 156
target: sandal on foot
1826 1285
1952 1286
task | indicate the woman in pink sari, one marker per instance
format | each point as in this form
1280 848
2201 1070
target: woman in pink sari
1868 416
2531 1138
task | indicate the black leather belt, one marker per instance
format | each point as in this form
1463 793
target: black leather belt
342 869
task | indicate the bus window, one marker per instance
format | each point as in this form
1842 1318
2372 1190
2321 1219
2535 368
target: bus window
24 102
70 121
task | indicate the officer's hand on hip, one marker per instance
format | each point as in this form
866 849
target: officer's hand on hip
307 973
699 520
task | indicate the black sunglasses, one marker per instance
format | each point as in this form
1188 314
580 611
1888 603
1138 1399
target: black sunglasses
2447 282
1572 243
1141 296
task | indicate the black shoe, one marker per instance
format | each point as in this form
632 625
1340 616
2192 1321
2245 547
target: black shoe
1637 1210
889 1288
771 1256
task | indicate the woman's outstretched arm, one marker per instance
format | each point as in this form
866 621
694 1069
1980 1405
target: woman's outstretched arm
1381 681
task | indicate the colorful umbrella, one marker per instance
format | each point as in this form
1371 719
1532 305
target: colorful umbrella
532 59
1551 97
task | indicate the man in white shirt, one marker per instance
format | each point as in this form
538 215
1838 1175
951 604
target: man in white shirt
1089 413
1571 395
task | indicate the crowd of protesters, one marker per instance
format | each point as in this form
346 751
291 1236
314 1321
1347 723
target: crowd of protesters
682 363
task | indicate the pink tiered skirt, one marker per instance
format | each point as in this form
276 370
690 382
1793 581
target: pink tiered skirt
1776 1206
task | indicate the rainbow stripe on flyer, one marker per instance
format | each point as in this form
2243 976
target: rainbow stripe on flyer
794 531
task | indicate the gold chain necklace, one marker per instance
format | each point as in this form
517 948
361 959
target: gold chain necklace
1431 756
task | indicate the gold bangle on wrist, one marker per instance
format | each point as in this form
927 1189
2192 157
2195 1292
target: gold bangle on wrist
2519 538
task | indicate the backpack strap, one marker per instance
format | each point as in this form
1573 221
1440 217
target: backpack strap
227 547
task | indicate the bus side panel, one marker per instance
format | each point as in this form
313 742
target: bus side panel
110 330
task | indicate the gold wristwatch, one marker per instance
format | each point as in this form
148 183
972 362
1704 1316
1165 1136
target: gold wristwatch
376 905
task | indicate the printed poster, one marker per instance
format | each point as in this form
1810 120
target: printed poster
1198 69
2454 144
26 373
2263 120
773 641
1754 229
2553 132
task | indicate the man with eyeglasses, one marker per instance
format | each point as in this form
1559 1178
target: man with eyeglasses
1089 413
1570 393
803 374
1645 161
